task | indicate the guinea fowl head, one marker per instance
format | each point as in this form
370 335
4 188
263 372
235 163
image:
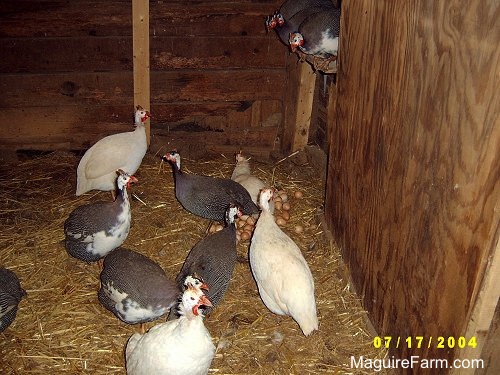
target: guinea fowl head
264 198
193 298
173 158
195 281
296 40
141 115
124 179
232 211
274 21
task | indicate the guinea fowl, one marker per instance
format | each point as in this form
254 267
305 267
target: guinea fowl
94 230
125 151
290 8
182 346
213 260
243 176
291 14
283 277
11 294
318 34
207 196
135 288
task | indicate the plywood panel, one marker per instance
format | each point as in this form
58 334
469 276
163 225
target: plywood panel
414 161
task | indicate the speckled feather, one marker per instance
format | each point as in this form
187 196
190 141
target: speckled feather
11 294
91 225
292 23
213 259
209 197
135 288
320 32
291 7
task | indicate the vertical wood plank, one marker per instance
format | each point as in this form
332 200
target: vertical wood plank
140 47
412 191
298 105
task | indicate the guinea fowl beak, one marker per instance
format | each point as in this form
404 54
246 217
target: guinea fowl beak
205 301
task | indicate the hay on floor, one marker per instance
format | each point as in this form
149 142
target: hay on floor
62 328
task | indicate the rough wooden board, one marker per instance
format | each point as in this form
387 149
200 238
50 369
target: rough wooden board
140 46
414 162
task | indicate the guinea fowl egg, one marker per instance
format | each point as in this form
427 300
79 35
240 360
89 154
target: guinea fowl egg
286 206
278 205
243 217
248 228
280 221
283 195
277 199
250 220
244 235
298 194
286 215
218 227
241 223
299 229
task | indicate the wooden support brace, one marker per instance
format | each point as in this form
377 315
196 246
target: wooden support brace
140 46
298 111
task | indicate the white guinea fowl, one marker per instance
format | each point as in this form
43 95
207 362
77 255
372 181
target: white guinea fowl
283 277
244 177
97 168
182 346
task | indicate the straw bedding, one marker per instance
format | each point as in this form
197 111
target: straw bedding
62 329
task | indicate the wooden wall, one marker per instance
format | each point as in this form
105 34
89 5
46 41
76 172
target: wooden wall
414 163
66 72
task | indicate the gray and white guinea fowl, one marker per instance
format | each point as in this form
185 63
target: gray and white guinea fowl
125 151
213 259
11 294
290 8
283 277
182 346
292 24
318 34
208 196
135 288
93 230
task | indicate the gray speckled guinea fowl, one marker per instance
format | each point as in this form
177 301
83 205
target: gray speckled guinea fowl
318 34
213 259
93 230
292 23
290 8
207 196
135 288
11 294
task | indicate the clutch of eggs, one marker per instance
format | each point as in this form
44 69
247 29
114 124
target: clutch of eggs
246 224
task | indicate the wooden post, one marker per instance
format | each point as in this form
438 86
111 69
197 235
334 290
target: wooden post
140 46
298 105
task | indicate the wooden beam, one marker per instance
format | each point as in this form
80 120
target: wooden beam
140 47
299 101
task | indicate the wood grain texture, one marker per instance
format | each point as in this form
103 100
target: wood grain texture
414 160
95 18
65 62
84 54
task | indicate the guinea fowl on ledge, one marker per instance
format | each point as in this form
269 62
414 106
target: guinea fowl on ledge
206 196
